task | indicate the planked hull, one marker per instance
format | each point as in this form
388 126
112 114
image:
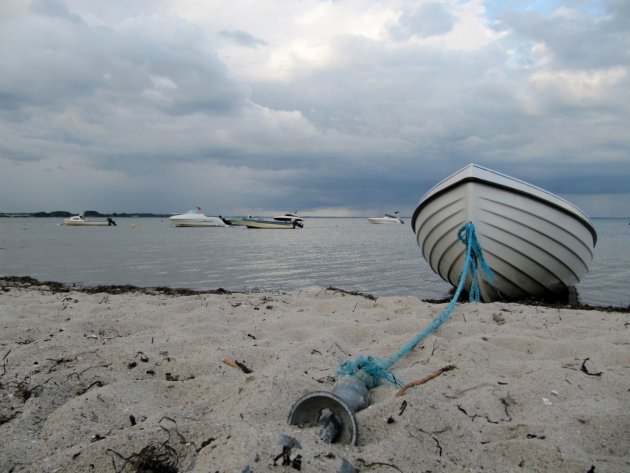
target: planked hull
535 242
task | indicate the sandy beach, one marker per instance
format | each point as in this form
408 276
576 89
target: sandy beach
126 380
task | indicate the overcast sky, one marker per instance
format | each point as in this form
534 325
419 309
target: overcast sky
347 107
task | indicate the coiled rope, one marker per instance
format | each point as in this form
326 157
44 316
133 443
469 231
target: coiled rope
371 370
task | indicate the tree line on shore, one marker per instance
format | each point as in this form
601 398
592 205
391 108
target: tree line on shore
87 213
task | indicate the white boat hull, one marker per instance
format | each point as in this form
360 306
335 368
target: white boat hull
385 220
85 224
195 218
78 221
535 242
271 224
197 223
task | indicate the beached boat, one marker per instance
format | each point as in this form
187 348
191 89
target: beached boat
536 243
387 218
195 218
79 221
271 224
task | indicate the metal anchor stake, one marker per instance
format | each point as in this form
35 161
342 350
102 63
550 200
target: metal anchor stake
333 411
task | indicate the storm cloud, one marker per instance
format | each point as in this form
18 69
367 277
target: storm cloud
331 108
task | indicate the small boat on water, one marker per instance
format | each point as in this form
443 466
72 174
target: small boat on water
288 217
536 243
79 221
234 221
387 218
195 218
272 224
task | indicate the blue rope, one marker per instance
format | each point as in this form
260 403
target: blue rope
372 370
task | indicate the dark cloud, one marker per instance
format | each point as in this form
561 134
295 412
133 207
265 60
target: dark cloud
242 38
53 8
146 61
578 39
427 19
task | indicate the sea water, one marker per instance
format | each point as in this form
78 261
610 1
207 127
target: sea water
348 253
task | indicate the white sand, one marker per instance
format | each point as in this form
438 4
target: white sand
522 397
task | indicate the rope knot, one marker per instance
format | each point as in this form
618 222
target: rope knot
370 370
474 260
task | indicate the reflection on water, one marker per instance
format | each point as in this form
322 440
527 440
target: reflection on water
347 253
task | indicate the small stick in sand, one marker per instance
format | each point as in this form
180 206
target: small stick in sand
427 378
236 364
243 368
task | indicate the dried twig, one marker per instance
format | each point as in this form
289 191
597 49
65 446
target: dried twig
377 464
237 364
4 362
427 378
243 368
352 293
460 393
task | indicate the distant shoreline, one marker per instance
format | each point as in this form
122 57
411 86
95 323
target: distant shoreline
89 213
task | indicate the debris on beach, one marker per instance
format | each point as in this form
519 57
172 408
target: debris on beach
237 364
583 369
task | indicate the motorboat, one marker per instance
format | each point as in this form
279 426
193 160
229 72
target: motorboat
387 218
234 221
272 224
195 218
288 217
536 243
79 221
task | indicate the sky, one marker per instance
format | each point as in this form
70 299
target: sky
340 108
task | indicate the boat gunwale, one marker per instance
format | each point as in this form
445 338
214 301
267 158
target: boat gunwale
475 179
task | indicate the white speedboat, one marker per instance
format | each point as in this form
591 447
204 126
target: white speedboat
288 217
271 224
79 221
387 218
535 242
195 218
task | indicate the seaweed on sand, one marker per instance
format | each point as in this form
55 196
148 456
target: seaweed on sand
155 457
160 458
55 287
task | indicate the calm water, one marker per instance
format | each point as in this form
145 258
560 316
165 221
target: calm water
348 253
